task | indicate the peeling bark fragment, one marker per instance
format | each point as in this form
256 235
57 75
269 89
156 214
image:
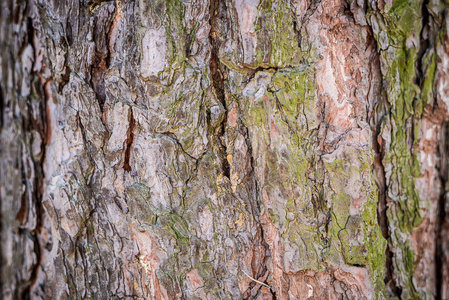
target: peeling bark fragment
154 50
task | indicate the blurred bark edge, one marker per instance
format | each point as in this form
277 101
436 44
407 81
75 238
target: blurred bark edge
224 149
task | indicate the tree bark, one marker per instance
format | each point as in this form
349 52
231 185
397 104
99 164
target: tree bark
233 149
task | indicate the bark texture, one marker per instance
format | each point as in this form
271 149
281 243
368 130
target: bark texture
224 149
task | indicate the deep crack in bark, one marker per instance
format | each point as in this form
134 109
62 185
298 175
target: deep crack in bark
440 255
380 177
218 84
217 69
42 127
129 141
425 43
428 37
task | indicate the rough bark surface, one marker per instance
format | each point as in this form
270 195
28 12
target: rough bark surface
224 149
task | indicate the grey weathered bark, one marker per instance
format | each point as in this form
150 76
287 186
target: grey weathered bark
234 149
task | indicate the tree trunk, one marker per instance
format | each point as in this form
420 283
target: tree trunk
224 149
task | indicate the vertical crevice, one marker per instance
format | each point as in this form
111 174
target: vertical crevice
97 84
2 110
297 31
218 84
217 69
257 209
42 127
102 60
428 37
382 217
2 238
129 141
441 222
380 109
115 23
424 38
